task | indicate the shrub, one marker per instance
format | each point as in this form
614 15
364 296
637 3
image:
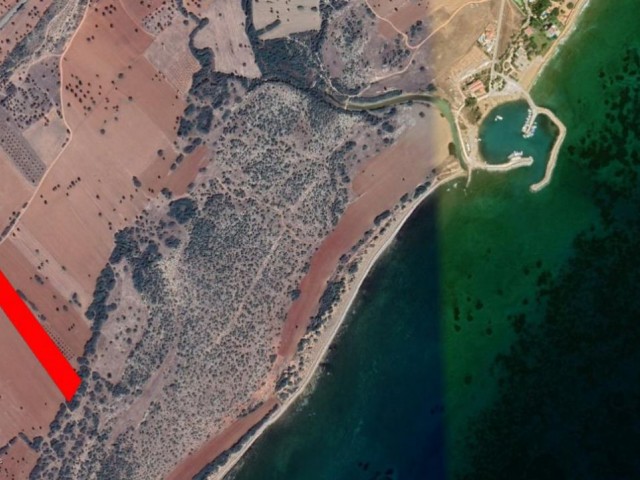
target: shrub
183 210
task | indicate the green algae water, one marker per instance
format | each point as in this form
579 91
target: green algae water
499 338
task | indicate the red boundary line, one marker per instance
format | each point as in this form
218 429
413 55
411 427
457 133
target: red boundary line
36 337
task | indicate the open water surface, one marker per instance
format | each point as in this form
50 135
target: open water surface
499 337
501 135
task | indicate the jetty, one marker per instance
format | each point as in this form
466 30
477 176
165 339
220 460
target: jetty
529 128
534 111
516 161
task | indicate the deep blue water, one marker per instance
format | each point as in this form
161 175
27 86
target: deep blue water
378 410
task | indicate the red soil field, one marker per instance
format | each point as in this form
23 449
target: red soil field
378 186
137 10
6 5
15 190
62 241
28 397
18 461
195 462
404 13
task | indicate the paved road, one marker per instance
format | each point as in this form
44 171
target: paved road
497 44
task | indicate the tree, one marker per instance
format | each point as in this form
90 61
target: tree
540 6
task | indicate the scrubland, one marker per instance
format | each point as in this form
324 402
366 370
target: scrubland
200 219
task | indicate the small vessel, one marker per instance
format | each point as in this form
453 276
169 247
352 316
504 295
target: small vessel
528 124
515 154
531 132
498 118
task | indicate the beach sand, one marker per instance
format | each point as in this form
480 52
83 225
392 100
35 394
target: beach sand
531 75
372 253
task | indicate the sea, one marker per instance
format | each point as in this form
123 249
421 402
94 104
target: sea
499 337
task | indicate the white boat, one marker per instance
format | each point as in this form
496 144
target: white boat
531 132
498 118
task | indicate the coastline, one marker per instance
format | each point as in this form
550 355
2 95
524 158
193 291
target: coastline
569 28
377 248
342 308
522 91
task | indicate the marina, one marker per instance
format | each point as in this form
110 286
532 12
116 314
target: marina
502 143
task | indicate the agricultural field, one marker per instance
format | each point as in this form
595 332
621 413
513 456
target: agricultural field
281 18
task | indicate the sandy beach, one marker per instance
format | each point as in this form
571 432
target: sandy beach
530 77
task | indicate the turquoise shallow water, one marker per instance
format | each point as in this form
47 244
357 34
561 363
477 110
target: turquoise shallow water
500 138
498 338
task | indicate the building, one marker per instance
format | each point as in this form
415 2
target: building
476 88
552 32
488 38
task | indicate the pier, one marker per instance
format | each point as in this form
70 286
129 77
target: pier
515 161
535 110
529 128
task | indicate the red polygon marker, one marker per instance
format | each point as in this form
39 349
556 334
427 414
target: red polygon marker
36 337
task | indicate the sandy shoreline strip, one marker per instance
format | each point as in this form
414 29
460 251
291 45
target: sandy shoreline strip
568 29
220 443
369 260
